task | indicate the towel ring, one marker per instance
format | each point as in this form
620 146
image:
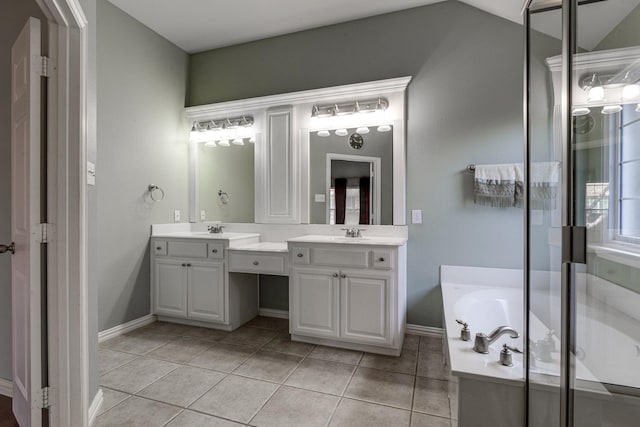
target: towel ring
156 193
224 197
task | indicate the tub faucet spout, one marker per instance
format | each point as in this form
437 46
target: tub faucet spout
483 341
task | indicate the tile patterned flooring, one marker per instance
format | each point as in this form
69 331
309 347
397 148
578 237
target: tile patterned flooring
181 376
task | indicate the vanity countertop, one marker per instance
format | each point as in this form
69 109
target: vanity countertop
262 247
206 235
364 240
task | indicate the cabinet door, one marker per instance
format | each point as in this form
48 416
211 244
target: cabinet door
206 291
366 307
170 286
314 302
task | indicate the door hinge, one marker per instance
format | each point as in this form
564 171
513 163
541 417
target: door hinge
574 244
46 398
45 70
43 235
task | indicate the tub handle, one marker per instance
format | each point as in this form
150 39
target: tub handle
465 334
505 354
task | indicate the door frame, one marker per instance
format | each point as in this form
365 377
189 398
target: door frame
67 207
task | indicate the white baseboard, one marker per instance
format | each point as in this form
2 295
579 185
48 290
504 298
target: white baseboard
426 331
6 387
94 409
126 327
270 312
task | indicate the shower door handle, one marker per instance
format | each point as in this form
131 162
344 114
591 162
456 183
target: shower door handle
8 248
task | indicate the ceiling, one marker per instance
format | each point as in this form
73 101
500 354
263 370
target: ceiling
198 25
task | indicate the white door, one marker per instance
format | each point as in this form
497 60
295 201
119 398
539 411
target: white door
366 310
314 302
170 286
206 291
25 220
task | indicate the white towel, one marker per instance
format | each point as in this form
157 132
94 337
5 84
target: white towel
501 172
495 185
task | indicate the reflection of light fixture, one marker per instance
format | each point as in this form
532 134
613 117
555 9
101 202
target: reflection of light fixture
384 128
223 143
222 129
252 139
363 130
324 133
342 132
580 111
631 91
596 93
638 108
238 141
368 106
611 109
210 144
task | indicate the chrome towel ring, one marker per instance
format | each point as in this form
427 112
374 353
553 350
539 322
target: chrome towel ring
156 193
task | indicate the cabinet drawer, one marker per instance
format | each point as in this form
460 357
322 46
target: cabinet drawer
338 257
160 248
257 263
187 249
300 256
382 259
215 250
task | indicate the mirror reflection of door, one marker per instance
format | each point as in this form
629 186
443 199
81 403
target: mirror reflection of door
353 189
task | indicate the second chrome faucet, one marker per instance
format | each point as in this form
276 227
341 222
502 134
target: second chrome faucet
482 341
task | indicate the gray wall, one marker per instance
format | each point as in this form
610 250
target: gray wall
13 16
230 169
376 144
625 34
142 139
464 106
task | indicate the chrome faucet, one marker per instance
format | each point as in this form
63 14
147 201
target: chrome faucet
482 342
215 228
352 232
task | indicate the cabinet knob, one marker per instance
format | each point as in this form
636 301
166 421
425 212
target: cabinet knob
300 255
343 275
158 248
188 265
335 274
184 265
215 251
381 259
255 263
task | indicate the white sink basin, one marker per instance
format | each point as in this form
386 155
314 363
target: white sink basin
365 240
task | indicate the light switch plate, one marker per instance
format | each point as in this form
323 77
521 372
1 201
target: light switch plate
176 215
320 198
91 173
416 216
203 215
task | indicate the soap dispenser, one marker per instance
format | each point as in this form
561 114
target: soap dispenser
545 347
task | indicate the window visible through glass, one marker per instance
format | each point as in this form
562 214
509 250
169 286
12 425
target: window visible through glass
628 175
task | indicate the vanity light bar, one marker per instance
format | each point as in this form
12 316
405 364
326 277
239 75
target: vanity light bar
226 123
366 106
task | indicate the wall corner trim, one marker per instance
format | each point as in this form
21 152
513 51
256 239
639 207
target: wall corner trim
95 407
425 331
6 387
126 327
271 312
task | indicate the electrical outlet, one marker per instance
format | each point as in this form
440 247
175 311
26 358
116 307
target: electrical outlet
319 198
416 216
176 215
203 215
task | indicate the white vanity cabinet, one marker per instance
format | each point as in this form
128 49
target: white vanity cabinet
191 284
348 295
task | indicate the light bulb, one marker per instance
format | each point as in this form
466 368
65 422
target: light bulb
363 130
631 91
581 111
611 109
210 144
596 93
384 128
252 139
223 143
638 108
342 132
194 135
238 141
324 133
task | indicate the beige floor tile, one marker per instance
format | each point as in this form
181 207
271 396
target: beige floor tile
205 333
322 375
432 397
291 407
424 420
167 328
111 398
269 366
235 398
405 364
431 344
352 413
251 337
387 388
411 342
181 350
137 412
222 357
283 344
182 386
196 419
136 375
431 365
336 355
272 323
138 342
110 359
